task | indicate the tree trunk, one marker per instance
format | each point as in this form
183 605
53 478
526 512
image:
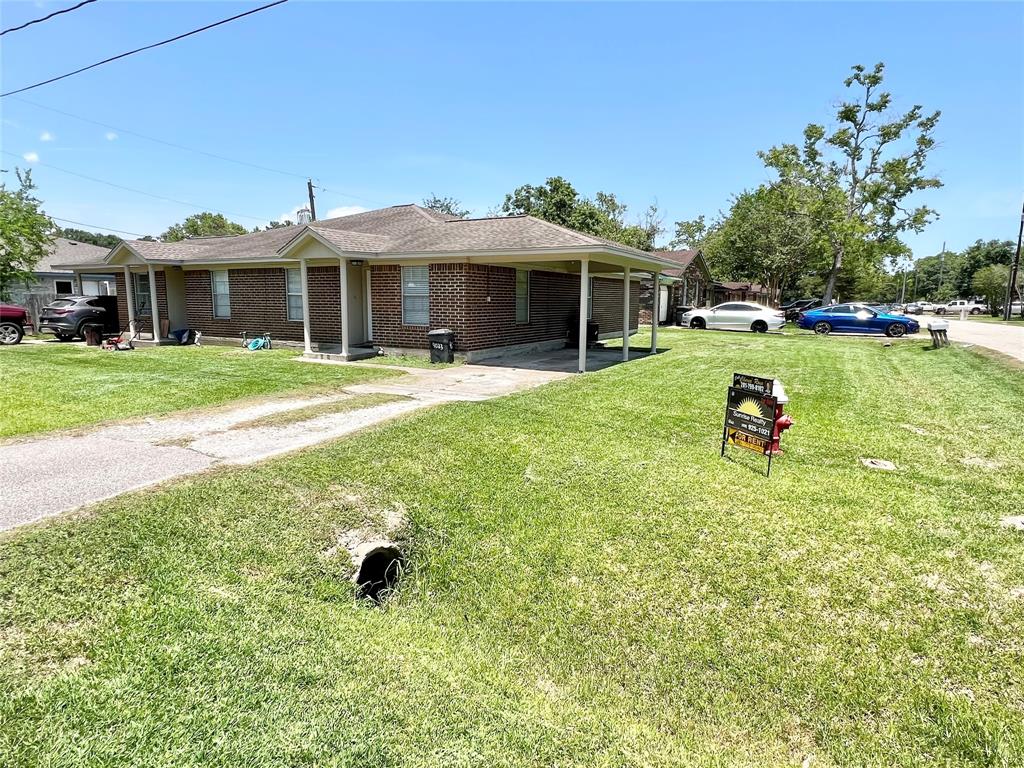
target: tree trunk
830 286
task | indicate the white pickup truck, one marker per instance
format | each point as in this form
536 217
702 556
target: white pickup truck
957 306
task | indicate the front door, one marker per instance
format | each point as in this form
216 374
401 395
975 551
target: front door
356 306
663 304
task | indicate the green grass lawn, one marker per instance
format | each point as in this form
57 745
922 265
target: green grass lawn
1014 320
55 386
589 584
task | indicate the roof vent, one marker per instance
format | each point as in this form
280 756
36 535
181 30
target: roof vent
304 216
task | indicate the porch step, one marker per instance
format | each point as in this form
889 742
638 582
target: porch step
358 353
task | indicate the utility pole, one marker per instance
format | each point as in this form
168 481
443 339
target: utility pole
1012 284
903 291
942 263
312 202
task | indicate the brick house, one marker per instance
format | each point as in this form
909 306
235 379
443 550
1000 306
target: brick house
381 279
686 284
741 291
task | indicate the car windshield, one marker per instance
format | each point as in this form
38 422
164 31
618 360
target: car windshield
61 303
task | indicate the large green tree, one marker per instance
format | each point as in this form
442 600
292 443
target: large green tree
448 205
990 282
557 201
979 255
25 233
204 224
861 173
93 238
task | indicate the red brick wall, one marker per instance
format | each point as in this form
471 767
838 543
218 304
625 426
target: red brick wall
122 302
478 303
259 304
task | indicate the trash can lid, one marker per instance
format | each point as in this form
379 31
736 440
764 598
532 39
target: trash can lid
439 332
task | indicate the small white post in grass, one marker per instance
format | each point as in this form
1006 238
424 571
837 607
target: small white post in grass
581 364
303 274
155 308
343 267
129 298
625 315
656 312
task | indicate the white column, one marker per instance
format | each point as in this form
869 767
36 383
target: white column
368 302
305 306
129 297
625 314
343 266
155 314
584 286
656 313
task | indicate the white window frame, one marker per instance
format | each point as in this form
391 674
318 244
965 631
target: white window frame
425 271
524 317
289 293
220 314
142 295
590 298
70 282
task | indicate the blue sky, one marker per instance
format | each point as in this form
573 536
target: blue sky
388 103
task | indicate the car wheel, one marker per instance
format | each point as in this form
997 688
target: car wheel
940 310
823 328
698 323
759 326
895 330
10 333
975 311
81 331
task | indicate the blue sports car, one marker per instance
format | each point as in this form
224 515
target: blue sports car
856 318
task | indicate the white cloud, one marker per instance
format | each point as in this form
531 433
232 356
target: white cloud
111 135
31 157
46 136
345 210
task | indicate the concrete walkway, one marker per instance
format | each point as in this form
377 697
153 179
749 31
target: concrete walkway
1008 339
46 476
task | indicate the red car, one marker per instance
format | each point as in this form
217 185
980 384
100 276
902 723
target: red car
13 320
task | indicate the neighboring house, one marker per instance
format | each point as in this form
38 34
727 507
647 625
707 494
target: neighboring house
384 278
53 280
740 291
683 286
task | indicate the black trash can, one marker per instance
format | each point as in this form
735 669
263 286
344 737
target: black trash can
593 331
442 345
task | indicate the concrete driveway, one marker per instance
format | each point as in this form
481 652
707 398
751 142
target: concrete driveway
45 476
1005 338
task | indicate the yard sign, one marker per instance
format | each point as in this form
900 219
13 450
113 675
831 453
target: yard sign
750 415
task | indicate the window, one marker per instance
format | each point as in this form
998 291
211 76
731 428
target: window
590 299
415 296
522 296
293 291
63 286
143 305
221 293
730 307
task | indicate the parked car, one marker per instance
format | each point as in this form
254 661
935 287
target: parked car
735 316
856 318
793 309
956 306
68 316
13 320
919 307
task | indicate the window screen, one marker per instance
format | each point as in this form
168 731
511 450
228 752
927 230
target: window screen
293 290
415 296
221 294
522 296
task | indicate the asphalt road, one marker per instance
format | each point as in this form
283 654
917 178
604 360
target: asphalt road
1008 339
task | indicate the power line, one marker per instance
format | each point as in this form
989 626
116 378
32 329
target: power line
143 192
145 48
97 226
129 132
45 18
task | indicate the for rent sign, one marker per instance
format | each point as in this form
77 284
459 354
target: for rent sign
750 415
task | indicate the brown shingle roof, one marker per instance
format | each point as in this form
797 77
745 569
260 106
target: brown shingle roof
64 251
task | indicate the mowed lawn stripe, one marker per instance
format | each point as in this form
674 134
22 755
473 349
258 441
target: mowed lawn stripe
50 386
589 584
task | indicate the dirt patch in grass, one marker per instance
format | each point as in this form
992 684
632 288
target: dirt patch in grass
353 403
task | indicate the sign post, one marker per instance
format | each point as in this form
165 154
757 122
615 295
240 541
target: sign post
750 415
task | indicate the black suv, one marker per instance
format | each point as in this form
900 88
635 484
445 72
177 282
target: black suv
793 309
68 317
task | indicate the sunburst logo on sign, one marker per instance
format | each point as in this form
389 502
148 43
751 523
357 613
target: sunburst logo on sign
751 407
